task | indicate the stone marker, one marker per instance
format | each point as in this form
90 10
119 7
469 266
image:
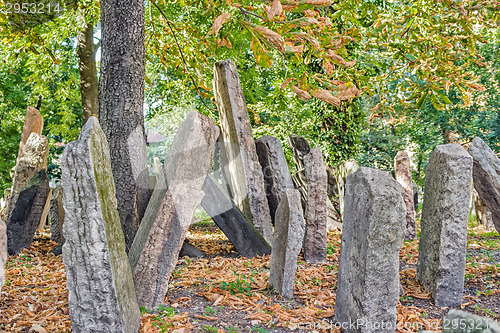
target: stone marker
156 247
3 251
245 174
275 168
486 174
241 233
56 215
403 176
372 235
287 242
33 159
101 291
26 214
316 212
33 123
458 321
45 213
483 214
443 239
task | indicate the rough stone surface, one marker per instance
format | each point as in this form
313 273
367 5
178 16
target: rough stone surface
25 217
101 291
33 123
277 177
458 321
403 176
190 251
372 235
56 215
45 213
3 251
443 239
316 212
33 159
486 174
156 247
483 214
241 233
287 242
245 173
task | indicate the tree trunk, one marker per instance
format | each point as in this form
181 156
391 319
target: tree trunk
88 72
121 94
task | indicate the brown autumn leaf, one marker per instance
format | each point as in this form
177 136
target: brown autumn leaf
326 96
337 58
218 22
272 37
447 85
275 9
290 48
302 94
287 82
327 64
349 93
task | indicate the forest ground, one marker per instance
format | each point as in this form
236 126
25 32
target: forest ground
226 293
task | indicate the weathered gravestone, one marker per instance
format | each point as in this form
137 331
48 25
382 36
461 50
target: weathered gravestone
241 233
403 176
33 123
25 217
99 279
45 212
275 168
486 174
245 173
3 251
483 214
156 247
56 215
372 235
316 212
33 159
443 239
287 242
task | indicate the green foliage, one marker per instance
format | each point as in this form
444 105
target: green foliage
240 286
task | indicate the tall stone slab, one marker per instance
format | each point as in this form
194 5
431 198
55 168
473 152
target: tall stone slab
277 177
101 291
287 242
241 233
316 212
33 123
33 159
443 237
27 212
177 194
403 176
486 174
372 235
56 215
245 174
3 251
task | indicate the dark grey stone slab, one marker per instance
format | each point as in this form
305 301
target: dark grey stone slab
443 237
242 234
56 216
372 236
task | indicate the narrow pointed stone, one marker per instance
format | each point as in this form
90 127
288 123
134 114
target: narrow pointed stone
287 242
3 251
443 238
101 291
56 215
177 194
245 174
403 176
33 123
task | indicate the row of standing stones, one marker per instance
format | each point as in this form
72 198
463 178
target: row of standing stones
106 287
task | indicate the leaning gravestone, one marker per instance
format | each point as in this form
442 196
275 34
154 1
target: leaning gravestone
316 212
56 215
245 174
33 123
45 213
3 251
99 279
287 242
486 174
241 233
26 214
403 176
275 168
33 159
443 239
158 241
372 235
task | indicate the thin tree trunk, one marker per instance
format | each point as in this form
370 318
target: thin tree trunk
88 72
121 94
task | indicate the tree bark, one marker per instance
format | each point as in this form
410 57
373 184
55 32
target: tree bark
121 94
88 71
